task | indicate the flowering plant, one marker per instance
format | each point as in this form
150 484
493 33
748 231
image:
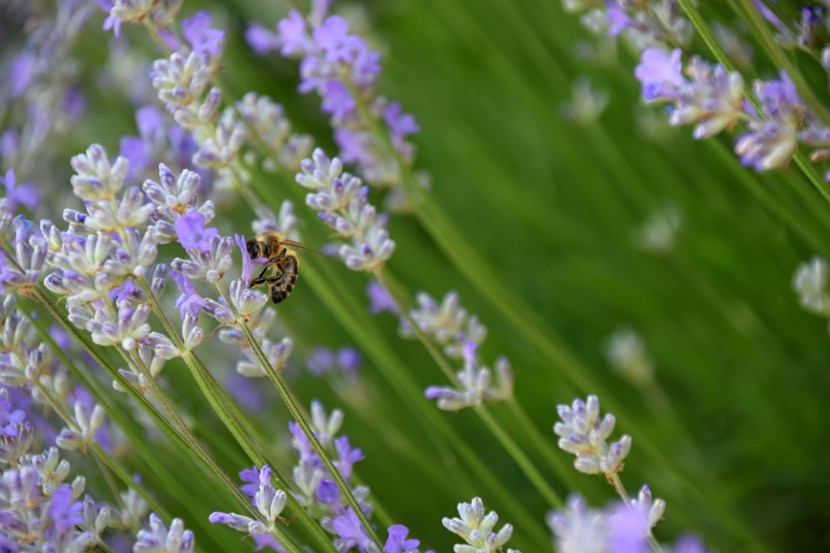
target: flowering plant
317 276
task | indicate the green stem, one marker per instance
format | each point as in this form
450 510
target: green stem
352 317
181 435
297 415
519 457
544 444
512 448
221 406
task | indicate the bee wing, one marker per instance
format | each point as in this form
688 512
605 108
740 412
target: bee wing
299 246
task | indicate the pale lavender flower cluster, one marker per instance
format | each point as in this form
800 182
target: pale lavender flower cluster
340 369
160 13
460 333
618 528
157 538
183 83
645 24
582 433
474 383
804 32
447 322
42 511
714 100
343 70
627 355
810 282
475 526
710 96
343 204
315 491
29 366
40 99
269 503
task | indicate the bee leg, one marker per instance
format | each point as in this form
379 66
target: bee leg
280 256
261 279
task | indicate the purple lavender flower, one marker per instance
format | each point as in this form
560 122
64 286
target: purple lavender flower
19 194
397 542
380 299
659 73
64 512
261 39
192 233
618 20
343 70
400 124
293 36
202 38
269 502
346 456
713 99
628 532
188 301
320 361
772 141
351 533
689 543
251 478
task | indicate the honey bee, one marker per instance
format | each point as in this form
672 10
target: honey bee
281 261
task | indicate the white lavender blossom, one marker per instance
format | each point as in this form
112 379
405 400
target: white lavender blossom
158 539
449 324
810 283
476 529
95 179
160 13
619 527
277 354
85 427
124 328
342 201
269 502
649 509
626 353
210 264
657 233
268 120
180 81
579 529
582 433
326 427
474 384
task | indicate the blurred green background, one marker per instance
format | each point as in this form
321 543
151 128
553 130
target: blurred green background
739 449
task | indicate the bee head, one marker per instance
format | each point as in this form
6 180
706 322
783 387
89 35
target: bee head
257 249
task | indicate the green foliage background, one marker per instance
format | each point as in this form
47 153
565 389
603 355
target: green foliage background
740 449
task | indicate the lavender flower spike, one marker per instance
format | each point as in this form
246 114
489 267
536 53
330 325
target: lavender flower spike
476 529
269 502
582 433
474 384
342 201
158 539
772 141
